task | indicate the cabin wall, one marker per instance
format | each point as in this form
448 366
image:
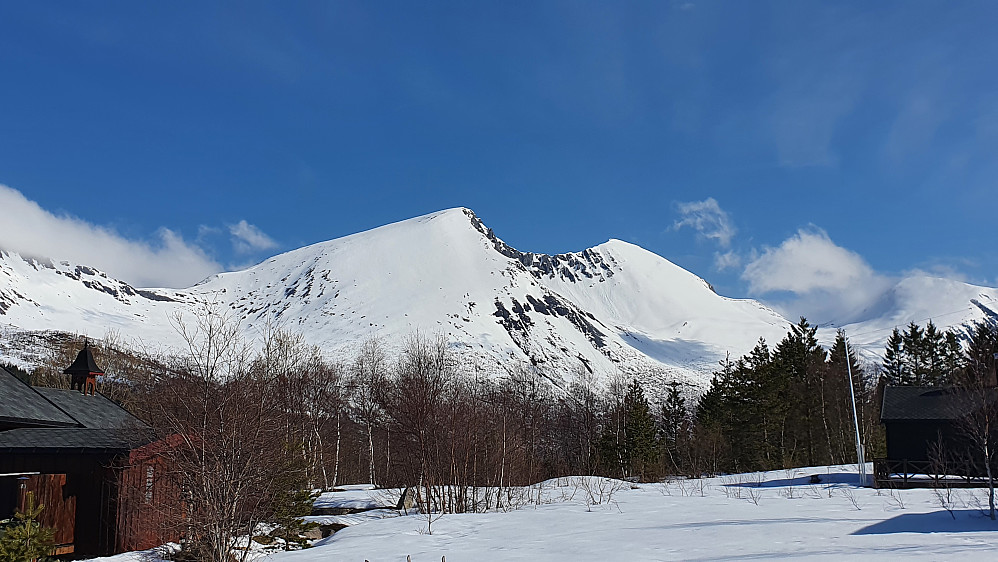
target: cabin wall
914 440
59 506
149 506
86 480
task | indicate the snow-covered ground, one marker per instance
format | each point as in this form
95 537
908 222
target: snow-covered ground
354 504
754 516
356 496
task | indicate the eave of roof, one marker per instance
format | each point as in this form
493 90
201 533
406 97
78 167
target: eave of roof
924 403
62 440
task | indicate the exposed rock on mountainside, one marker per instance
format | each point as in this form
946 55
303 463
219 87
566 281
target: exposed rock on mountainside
612 308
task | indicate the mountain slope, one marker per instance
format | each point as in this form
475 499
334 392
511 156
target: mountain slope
920 298
608 309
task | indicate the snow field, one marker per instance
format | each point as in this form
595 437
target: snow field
755 516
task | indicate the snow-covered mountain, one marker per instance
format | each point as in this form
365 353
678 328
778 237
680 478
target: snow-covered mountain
612 308
919 298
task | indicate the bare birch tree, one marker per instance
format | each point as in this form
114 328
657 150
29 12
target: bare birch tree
225 427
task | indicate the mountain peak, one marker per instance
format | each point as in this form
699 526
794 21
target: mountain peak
612 308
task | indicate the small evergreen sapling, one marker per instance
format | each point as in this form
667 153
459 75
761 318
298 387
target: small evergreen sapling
24 539
292 503
289 515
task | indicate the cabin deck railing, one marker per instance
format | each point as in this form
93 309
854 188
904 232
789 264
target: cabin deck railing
904 473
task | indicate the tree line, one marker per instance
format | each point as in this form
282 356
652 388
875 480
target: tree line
790 406
250 429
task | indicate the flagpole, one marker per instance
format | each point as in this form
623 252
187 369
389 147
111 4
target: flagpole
860 457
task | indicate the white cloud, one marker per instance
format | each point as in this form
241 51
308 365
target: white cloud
805 262
205 231
727 260
827 282
945 271
708 219
247 238
32 231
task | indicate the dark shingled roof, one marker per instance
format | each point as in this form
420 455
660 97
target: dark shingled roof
931 403
84 363
92 411
53 420
21 404
55 440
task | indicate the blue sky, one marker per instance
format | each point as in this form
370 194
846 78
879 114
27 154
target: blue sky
803 153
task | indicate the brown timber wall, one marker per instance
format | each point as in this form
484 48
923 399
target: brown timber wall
59 507
149 507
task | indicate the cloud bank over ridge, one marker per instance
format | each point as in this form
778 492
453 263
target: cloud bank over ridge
827 282
166 261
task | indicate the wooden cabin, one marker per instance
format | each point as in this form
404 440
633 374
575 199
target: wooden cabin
926 433
80 454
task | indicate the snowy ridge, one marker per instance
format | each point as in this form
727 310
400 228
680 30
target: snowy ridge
613 308
947 303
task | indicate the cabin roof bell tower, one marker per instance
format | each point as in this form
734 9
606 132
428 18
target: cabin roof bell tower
84 371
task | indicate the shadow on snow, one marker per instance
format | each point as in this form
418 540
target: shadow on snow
801 479
966 521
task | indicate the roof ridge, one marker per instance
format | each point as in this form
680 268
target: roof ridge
57 407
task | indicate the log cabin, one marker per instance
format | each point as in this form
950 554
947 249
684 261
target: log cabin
928 431
85 458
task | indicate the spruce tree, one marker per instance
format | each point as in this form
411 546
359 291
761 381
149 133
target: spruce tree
25 540
982 347
935 356
894 364
840 400
291 507
675 425
292 502
952 356
640 444
767 407
611 447
915 351
799 358
922 357
711 407
746 406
